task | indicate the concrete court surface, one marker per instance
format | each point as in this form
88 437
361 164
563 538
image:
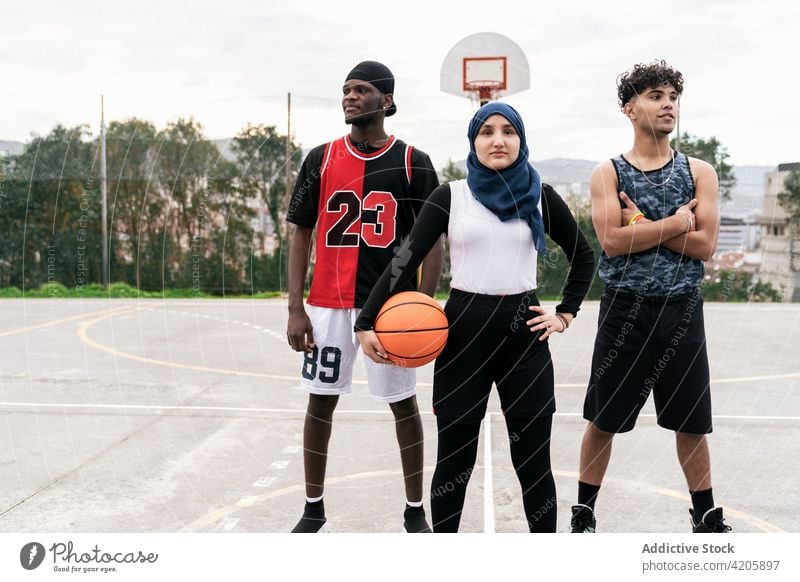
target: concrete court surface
178 415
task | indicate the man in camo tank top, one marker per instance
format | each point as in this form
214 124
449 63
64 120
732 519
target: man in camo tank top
656 217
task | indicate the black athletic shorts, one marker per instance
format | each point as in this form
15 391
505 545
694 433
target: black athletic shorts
650 344
489 342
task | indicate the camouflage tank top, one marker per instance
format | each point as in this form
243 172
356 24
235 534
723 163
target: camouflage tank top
657 271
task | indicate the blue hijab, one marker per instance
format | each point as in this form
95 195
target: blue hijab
513 192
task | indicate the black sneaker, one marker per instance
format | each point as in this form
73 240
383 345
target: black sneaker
313 520
712 522
583 520
414 520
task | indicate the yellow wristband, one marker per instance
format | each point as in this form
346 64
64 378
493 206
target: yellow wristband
635 218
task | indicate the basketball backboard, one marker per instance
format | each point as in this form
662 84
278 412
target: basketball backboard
485 66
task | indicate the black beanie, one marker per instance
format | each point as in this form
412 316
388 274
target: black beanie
379 76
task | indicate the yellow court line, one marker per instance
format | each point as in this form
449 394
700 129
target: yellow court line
718 380
251 500
754 521
84 337
111 311
159 408
754 378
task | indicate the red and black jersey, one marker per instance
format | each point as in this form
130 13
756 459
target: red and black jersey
363 202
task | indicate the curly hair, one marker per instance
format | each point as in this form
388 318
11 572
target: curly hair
642 77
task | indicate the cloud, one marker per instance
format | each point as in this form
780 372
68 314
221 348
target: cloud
230 64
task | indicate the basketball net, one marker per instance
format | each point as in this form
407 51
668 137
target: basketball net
482 92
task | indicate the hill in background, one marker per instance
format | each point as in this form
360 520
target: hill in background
10 148
568 175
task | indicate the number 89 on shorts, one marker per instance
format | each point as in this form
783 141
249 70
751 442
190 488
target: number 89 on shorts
323 364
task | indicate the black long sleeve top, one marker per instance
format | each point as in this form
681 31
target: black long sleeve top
433 221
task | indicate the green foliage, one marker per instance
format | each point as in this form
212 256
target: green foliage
789 199
443 287
211 226
97 291
763 292
135 203
10 293
553 265
117 290
93 290
180 214
53 290
261 161
267 295
733 286
711 151
50 226
268 272
451 172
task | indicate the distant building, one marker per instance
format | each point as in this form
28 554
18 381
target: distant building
263 228
580 189
10 148
734 261
780 264
738 234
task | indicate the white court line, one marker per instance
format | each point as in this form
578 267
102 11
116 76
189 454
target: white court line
488 481
82 334
303 410
715 416
264 482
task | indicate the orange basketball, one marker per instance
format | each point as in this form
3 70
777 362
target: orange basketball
412 329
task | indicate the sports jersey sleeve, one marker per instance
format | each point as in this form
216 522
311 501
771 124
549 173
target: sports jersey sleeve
305 196
424 179
561 226
429 226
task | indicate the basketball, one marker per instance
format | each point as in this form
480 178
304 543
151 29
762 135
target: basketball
412 328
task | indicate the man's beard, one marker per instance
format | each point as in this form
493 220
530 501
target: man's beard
363 118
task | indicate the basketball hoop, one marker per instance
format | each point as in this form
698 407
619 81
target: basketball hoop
485 67
481 92
484 77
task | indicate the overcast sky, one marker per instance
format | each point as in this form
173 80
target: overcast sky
232 62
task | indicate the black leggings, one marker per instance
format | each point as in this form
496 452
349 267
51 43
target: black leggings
455 460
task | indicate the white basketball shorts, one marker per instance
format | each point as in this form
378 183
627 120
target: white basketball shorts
328 369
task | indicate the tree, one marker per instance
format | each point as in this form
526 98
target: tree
134 201
789 199
451 172
711 151
50 216
206 220
261 160
180 214
735 286
553 265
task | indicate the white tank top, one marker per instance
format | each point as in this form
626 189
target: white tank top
487 255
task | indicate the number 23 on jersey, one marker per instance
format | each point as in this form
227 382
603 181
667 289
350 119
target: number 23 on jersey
350 228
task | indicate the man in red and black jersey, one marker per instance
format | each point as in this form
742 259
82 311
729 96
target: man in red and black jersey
361 192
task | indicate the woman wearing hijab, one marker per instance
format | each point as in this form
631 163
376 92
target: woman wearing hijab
496 221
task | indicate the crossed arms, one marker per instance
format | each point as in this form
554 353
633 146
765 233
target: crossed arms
691 231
